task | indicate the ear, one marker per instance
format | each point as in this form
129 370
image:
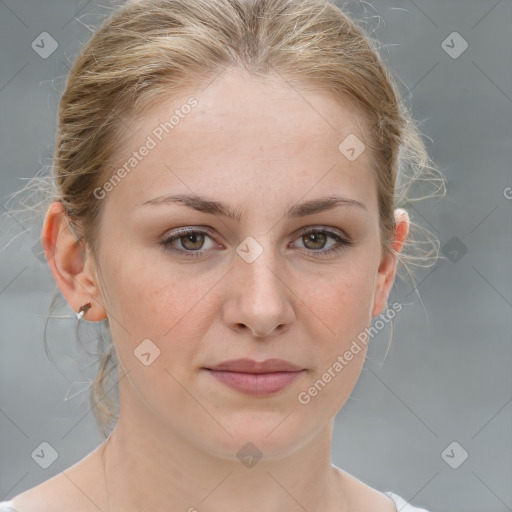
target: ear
72 266
387 267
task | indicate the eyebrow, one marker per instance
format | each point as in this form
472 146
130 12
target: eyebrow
206 205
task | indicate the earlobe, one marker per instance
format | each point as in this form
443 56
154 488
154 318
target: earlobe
387 267
67 259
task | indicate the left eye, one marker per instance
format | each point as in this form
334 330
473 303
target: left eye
314 240
191 240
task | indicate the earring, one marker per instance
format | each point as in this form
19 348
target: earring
83 310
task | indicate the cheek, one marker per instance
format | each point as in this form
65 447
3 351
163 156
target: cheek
149 297
322 397
339 311
158 341
156 302
341 300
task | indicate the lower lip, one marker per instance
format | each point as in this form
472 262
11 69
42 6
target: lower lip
256 383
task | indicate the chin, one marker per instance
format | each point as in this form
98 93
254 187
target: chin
271 434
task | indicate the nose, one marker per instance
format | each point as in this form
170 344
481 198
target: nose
258 297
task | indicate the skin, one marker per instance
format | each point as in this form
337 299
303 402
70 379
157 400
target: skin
259 148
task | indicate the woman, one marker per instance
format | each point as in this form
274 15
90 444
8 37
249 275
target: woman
226 179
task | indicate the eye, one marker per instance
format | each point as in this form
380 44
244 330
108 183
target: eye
190 239
315 239
192 242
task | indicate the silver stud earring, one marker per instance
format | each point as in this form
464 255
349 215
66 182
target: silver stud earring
83 310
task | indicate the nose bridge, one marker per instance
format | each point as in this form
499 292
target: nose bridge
259 267
262 297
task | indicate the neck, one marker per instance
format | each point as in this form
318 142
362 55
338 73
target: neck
148 468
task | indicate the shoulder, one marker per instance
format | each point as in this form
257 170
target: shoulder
6 506
48 496
364 497
77 488
361 496
403 505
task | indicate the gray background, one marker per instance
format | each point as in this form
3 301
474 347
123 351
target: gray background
448 374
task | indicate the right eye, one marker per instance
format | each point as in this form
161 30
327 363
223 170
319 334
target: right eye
190 239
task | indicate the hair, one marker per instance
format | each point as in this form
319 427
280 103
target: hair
148 50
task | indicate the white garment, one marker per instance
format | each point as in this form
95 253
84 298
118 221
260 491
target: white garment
5 506
401 504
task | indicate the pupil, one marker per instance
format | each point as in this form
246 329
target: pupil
316 238
193 238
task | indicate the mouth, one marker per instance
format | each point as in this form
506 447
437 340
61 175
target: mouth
256 383
256 378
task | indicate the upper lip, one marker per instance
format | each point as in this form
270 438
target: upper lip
252 366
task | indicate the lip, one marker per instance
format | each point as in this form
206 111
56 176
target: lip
252 366
256 377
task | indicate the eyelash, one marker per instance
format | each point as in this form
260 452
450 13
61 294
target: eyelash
343 244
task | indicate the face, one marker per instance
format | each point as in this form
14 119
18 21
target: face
274 280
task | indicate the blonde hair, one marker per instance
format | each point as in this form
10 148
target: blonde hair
149 49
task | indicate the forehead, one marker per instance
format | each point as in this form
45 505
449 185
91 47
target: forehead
240 134
239 105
